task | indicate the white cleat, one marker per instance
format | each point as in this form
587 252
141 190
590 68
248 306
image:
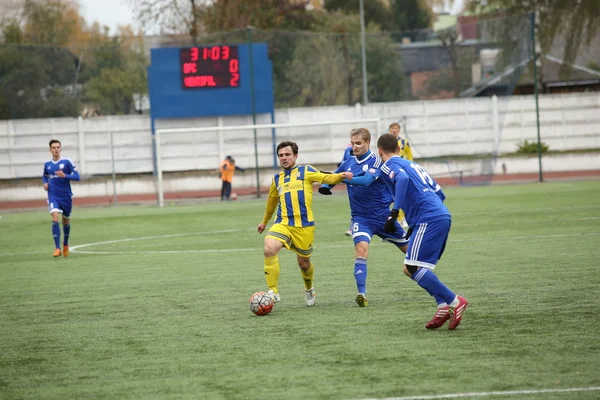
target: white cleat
309 297
348 233
274 296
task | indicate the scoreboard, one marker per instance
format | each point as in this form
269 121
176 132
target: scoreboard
210 67
215 80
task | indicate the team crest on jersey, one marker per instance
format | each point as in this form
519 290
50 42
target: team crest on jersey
372 170
391 174
365 168
61 166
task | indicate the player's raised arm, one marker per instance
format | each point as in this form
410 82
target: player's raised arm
364 180
313 175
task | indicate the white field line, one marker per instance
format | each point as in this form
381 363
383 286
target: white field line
76 249
487 394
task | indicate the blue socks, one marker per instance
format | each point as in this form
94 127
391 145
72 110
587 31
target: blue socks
360 274
432 284
56 234
67 232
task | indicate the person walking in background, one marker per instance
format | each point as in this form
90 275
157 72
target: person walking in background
226 171
57 176
405 152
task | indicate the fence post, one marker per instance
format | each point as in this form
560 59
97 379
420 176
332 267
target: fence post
495 125
536 58
11 139
112 165
221 140
81 141
253 101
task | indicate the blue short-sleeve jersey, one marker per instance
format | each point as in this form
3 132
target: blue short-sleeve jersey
415 192
371 201
59 188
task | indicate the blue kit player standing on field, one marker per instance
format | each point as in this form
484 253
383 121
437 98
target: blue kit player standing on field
421 198
57 177
291 194
369 207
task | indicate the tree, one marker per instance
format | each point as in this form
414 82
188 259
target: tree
412 15
171 16
375 11
48 55
449 39
326 67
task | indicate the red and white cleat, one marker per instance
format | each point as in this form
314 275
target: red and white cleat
439 319
456 313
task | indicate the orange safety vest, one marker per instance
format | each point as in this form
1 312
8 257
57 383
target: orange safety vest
227 169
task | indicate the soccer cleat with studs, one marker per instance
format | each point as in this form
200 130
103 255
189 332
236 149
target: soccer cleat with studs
361 300
66 251
456 313
439 319
274 296
57 253
309 297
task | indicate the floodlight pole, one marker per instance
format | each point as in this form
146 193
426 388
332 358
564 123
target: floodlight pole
253 101
363 52
533 20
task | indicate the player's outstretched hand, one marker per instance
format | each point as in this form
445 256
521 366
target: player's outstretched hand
390 224
347 175
325 190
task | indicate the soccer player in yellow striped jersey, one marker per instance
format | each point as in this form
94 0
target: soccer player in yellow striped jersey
291 194
405 152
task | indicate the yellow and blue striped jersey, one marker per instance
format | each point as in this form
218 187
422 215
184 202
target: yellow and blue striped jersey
405 150
294 189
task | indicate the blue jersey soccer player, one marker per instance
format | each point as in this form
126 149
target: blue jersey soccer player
291 194
421 198
57 177
369 206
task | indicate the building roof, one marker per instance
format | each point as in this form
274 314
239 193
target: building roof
551 72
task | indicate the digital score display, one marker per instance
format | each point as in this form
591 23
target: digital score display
209 67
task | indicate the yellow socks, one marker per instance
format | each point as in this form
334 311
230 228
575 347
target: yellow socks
308 276
272 273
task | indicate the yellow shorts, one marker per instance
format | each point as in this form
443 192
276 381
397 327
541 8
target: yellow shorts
297 239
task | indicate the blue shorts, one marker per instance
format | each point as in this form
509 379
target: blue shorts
363 230
427 243
62 206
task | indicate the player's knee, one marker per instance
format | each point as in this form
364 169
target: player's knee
304 263
65 221
362 250
409 270
269 250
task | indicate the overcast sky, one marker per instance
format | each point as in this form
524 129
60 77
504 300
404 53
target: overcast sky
117 12
107 12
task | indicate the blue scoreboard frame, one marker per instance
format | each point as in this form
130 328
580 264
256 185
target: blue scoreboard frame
209 92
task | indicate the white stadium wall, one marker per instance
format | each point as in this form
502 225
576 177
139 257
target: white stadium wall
435 128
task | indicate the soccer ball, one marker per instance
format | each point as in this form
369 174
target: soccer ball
261 303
